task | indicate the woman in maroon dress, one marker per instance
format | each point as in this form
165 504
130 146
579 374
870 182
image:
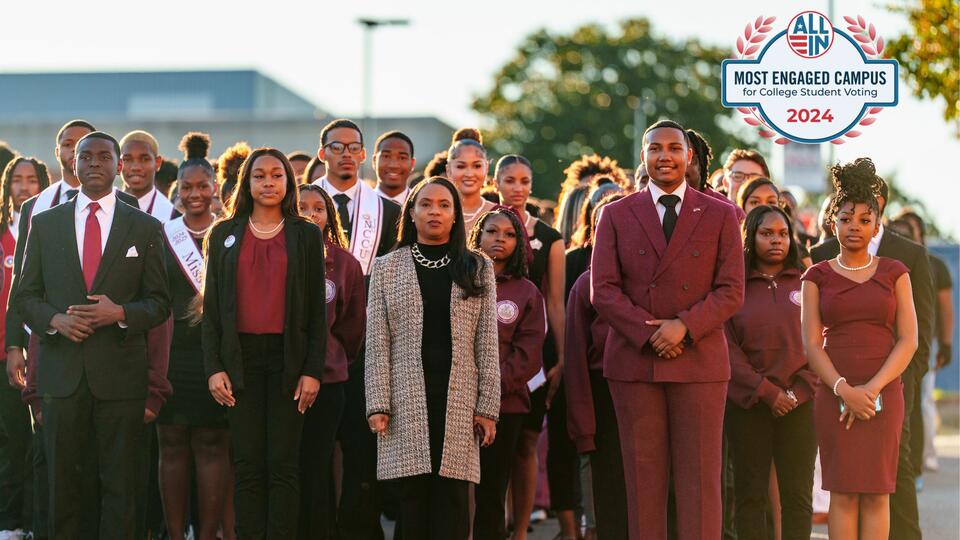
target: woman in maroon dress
859 332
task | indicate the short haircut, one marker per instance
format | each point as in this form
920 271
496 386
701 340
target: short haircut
72 124
749 155
144 137
299 155
101 135
665 123
338 123
393 134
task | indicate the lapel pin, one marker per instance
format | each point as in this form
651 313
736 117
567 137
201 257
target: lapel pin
229 241
696 209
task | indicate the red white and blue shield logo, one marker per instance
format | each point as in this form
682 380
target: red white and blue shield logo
810 34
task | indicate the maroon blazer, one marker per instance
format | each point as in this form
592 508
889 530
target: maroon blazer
741 215
766 348
636 276
346 299
583 354
521 329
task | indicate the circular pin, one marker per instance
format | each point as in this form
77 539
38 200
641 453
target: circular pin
229 241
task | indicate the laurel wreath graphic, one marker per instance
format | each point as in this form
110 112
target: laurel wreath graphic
756 32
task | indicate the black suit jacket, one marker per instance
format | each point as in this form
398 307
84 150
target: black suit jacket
914 256
305 324
16 336
114 359
388 227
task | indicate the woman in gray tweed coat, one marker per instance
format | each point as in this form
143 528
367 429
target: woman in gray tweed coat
432 367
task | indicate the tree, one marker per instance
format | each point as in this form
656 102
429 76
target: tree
927 52
566 95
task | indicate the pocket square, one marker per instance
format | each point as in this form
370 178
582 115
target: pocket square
132 252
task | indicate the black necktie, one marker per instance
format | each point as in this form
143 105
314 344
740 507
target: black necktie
343 210
69 194
670 216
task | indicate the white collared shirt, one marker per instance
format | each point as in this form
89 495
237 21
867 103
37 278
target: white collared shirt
144 202
350 192
874 244
656 193
400 199
15 223
108 204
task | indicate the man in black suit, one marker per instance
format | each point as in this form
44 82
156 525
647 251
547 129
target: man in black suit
92 297
904 516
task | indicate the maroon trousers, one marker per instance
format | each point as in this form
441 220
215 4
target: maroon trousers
674 427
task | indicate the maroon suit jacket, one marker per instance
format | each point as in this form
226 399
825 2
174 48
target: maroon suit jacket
636 276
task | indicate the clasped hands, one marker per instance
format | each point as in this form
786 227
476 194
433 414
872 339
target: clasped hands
667 341
80 321
860 402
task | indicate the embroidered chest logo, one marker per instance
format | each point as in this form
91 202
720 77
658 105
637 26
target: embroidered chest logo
507 311
331 290
795 297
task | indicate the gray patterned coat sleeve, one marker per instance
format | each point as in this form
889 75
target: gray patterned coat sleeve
377 357
486 347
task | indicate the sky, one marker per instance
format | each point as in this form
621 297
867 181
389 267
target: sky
437 64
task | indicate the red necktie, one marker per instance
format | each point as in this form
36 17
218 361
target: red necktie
91 246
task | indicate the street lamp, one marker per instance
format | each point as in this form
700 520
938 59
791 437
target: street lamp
369 25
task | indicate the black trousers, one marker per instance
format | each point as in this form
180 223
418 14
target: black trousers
757 438
118 441
360 499
563 464
39 486
265 429
496 463
14 458
609 490
433 507
317 504
904 515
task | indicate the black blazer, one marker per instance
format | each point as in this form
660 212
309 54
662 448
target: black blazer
16 336
914 256
388 227
114 359
305 324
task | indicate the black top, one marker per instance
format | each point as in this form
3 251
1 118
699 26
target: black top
578 261
182 295
542 240
437 342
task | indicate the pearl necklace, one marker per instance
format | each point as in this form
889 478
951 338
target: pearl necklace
202 232
469 216
425 262
265 233
852 269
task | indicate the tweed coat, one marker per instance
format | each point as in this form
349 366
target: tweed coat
394 370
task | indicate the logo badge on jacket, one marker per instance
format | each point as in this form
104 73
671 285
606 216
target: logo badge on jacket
507 311
331 290
795 297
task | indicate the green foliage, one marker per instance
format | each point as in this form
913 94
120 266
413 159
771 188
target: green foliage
566 95
928 52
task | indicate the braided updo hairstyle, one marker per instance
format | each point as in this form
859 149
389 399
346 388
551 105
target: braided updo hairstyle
856 182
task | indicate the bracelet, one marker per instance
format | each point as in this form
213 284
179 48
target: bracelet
837 383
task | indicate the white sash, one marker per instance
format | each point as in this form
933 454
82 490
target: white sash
183 247
48 198
160 207
367 214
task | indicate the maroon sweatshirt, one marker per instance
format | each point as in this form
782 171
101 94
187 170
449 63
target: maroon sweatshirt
764 339
522 327
741 215
346 312
583 354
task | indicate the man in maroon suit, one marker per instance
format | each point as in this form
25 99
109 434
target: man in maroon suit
667 272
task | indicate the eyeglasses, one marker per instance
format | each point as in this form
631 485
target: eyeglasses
338 147
743 177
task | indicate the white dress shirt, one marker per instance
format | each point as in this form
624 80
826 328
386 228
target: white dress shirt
108 204
400 199
350 192
15 224
874 244
656 193
144 202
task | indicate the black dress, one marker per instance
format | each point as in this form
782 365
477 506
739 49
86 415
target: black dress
191 403
540 243
437 345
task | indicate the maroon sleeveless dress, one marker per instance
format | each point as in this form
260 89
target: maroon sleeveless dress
858 333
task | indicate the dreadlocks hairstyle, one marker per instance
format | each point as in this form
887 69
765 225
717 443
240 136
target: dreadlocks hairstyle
592 165
465 265
333 230
437 166
702 153
241 205
855 182
472 134
749 232
195 146
516 266
6 155
228 167
6 194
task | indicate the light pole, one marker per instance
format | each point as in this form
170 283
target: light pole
369 25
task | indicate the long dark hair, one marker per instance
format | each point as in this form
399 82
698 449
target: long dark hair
517 262
6 195
750 226
464 265
333 230
241 203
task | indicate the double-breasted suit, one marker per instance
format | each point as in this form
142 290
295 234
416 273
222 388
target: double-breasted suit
669 411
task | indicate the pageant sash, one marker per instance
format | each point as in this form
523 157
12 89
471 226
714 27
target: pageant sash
181 244
365 233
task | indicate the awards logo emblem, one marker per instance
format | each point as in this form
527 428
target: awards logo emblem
811 82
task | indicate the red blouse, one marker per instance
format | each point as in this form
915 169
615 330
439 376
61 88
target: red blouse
262 284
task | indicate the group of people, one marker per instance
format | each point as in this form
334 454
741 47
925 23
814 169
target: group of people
278 349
